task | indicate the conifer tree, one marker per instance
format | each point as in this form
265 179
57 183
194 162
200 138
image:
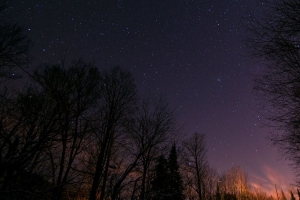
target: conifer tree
292 195
167 184
283 195
175 177
160 184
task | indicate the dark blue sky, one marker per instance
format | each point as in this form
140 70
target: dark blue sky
191 51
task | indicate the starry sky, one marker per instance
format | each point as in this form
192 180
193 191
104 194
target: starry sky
191 51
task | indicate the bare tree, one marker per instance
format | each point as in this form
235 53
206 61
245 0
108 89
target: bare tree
117 102
235 182
154 126
74 92
197 164
14 45
275 39
26 124
211 183
17 148
145 138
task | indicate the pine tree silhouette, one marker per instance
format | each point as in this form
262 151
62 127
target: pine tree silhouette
160 184
292 195
175 177
167 184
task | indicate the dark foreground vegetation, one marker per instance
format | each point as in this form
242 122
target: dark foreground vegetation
75 132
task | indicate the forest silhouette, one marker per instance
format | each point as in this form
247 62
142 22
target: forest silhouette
75 132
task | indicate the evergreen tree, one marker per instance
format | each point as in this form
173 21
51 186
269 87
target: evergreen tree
175 177
160 184
292 195
167 184
283 195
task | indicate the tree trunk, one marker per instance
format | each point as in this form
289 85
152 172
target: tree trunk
96 180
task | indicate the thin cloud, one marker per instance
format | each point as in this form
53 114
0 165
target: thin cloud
270 178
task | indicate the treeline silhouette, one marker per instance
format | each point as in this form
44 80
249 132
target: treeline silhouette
75 132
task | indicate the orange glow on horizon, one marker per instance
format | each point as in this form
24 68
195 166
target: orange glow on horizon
271 178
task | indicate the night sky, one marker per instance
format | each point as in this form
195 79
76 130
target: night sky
191 51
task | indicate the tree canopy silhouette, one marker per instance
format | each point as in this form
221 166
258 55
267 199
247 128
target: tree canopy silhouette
167 183
14 45
275 39
175 177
